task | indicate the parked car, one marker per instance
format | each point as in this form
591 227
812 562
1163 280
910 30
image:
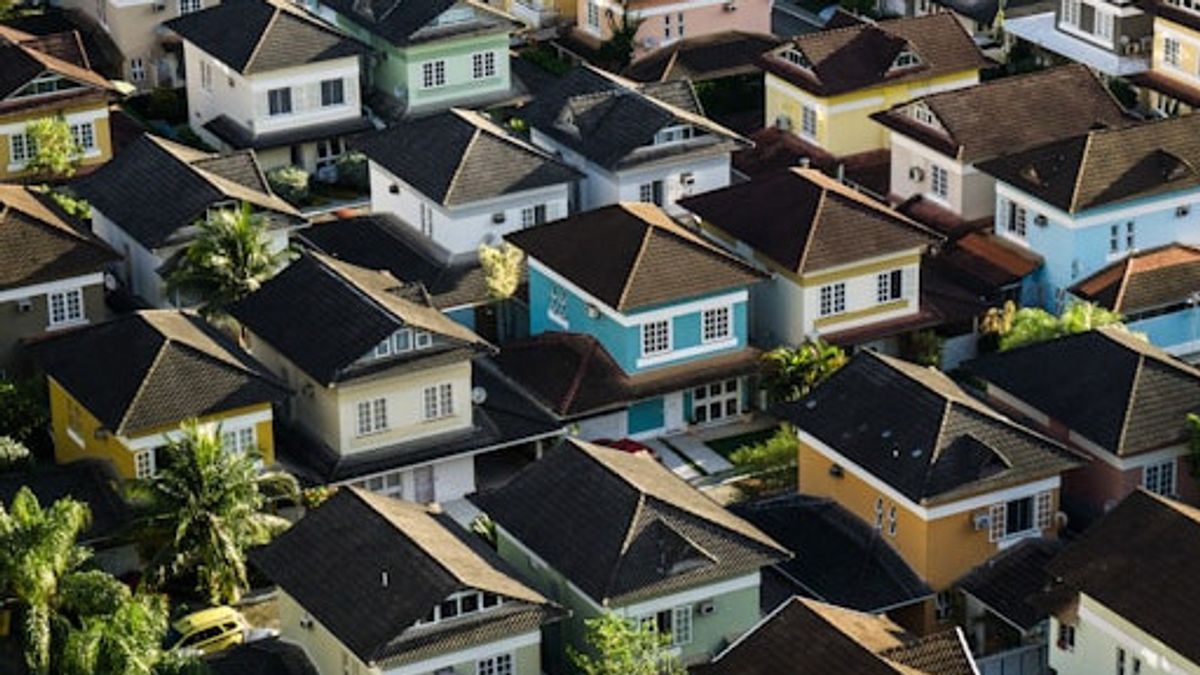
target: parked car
208 630
627 445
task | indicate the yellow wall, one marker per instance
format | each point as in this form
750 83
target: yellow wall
1189 50
101 130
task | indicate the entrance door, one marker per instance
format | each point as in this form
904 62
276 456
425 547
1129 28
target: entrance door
423 484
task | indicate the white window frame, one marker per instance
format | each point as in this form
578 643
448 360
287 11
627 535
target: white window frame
437 401
716 324
21 148
239 441
143 464
533 215
557 306
84 136
593 15
332 86
716 395
190 6
433 74
832 299
656 337
889 286
69 310
483 65
205 75
939 182
137 69
500 664
1161 478
1038 521
387 484
1016 221
371 417
1172 51
808 121
279 101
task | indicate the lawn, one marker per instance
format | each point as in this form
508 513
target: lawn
725 446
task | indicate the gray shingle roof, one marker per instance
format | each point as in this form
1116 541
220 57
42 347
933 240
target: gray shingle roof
404 22
26 56
38 245
1007 581
705 57
1145 280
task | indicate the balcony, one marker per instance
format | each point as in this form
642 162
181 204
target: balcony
533 14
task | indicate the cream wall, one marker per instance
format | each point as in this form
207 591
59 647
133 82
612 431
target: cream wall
970 194
1099 632
405 406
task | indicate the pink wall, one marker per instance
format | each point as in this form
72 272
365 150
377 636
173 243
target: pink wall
698 19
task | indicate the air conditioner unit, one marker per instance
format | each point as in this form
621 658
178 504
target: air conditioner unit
306 622
916 173
650 42
24 305
730 7
705 608
982 520
1040 220
1182 211
783 123
160 6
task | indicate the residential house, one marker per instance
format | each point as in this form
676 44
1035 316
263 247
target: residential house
50 76
657 551
645 321
433 54
51 273
119 390
661 25
1123 595
387 586
146 202
285 84
463 180
644 143
1172 85
948 480
1112 395
1111 37
838 640
839 260
985 19
824 86
704 58
386 394
1084 202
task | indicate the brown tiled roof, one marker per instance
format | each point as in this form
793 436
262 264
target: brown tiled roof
37 245
1153 278
706 57
1006 581
25 57
860 57
987 261
1165 84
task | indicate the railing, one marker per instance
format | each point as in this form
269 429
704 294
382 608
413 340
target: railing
533 15
1027 660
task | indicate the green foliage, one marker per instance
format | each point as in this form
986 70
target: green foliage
545 58
518 125
501 269
55 154
774 461
1124 92
618 49
167 104
621 647
352 172
1011 327
312 497
290 183
13 454
24 414
203 510
730 94
6 8
71 205
789 374
923 347
485 528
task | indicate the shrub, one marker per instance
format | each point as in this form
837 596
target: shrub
13 454
24 415
289 182
772 461
352 172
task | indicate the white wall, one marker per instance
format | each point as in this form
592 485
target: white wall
139 269
611 425
453 478
971 194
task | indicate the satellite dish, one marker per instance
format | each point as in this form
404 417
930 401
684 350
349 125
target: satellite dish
478 395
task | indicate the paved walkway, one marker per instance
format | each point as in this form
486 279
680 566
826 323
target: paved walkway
672 460
700 454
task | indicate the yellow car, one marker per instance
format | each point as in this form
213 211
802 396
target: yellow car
207 631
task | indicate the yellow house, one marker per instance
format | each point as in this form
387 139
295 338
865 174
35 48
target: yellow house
120 389
1172 85
50 76
947 481
825 86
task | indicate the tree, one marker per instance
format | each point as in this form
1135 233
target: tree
501 269
618 49
13 454
622 647
204 509
55 152
789 374
772 461
1012 327
228 260
24 414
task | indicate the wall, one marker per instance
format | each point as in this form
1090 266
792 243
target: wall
1177 332
75 113
17 325
453 478
1189 52
1099 632
323 649
404 406
700 17
970 194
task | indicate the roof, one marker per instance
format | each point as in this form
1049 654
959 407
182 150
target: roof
1107 166
38 245
271 656
862 56
374 566
160 368
239 137
706 57
1118 391
838 640
987 262
1172 13
645 258
1006 115
1144 280
1007 580
155 189
257 36
460 157
917 431
612 121
839 558
404 22
805 221
1138 562
625 528
984 11
92 481
27 56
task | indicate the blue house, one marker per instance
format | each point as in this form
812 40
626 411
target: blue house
638 326
1086 202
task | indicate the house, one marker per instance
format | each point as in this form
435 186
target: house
1102 620
433 54
146 202
657 550
1112 395
50 76
51 273
1111 37
1086 201
937 139
806 637
984 19
824 86
1172 86
646 322
704 58
388 586
839 260
285 84
119 390
644 143
662 25
386 392
463 180
946 478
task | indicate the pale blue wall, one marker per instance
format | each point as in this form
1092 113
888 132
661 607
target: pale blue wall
1170 330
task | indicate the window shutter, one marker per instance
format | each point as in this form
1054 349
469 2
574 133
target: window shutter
909 284
996 526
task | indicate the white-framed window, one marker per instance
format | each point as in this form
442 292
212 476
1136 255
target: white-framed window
679 28
651 193
84 136
1160 478
533 215
205 75
833 299
1018 517
65 307
333 92
426 219
1171 51
921 113
716 401
372 416
389 484
557 307
906 59
1104 24
483 65
238 441
1016 221
889 286
656 337
189 6
1070 12
279 101
438 401
891 521
675 622
715 324
460 604
137 70
879 513
1130 236
808 121
1066 637
328 152
1045 510
21 148
433 74
143 464
667 26
593 15
422 339
797 58
939 181
495 665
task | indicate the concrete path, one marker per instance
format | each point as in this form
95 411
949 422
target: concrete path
672 460
700 454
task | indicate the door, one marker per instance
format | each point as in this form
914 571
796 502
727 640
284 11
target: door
423 484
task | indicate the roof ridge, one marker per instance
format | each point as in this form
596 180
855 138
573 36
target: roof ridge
629 532
633 87
1127 262
577 381
145 379
1137 377
1078 183
818 212
262 37
462 161
637 259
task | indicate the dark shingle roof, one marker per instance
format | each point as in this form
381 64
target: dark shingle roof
91 481
647 258
1113 388
159 368
374 566
261 657
26 56
706 57
239 137
804 221
38 245
459 157
1144 280
916 430
624 528
403 22
1007 581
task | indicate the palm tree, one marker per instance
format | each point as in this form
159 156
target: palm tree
228 260
789 374
204 509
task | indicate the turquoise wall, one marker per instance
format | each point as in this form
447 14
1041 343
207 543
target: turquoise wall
646 415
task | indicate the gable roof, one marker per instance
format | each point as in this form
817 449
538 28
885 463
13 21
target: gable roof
256 36
156 189
624 528
404 22
27 56
460 157
1003 116
805 221
374 566
1145 280
1006 581
1107 166
37 245
704 57
159 368
1109 386
324 315
916 430
862 56
631 256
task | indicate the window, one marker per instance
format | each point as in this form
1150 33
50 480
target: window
332 92
1130 238
656 337
279 101
716 401
1160 478
426 219
533 215
84 136
879 513
921 113
1045 510
423 339
1016 220
715 324
238 441
593 15
1066 637
675 622
143 464
137 70
797 58
1114 239
424 481
495 665
1104 25
939 181
687 181
372 416
439 401
944 606
889 286
558 304
651 193
808 121
189 6
1018 517
892 520
1070 12
906 59
679 25
65 306
1121 657
328 152
483 65
21 148
433 74
674 134
1171 51
390 484
833 299
667 26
